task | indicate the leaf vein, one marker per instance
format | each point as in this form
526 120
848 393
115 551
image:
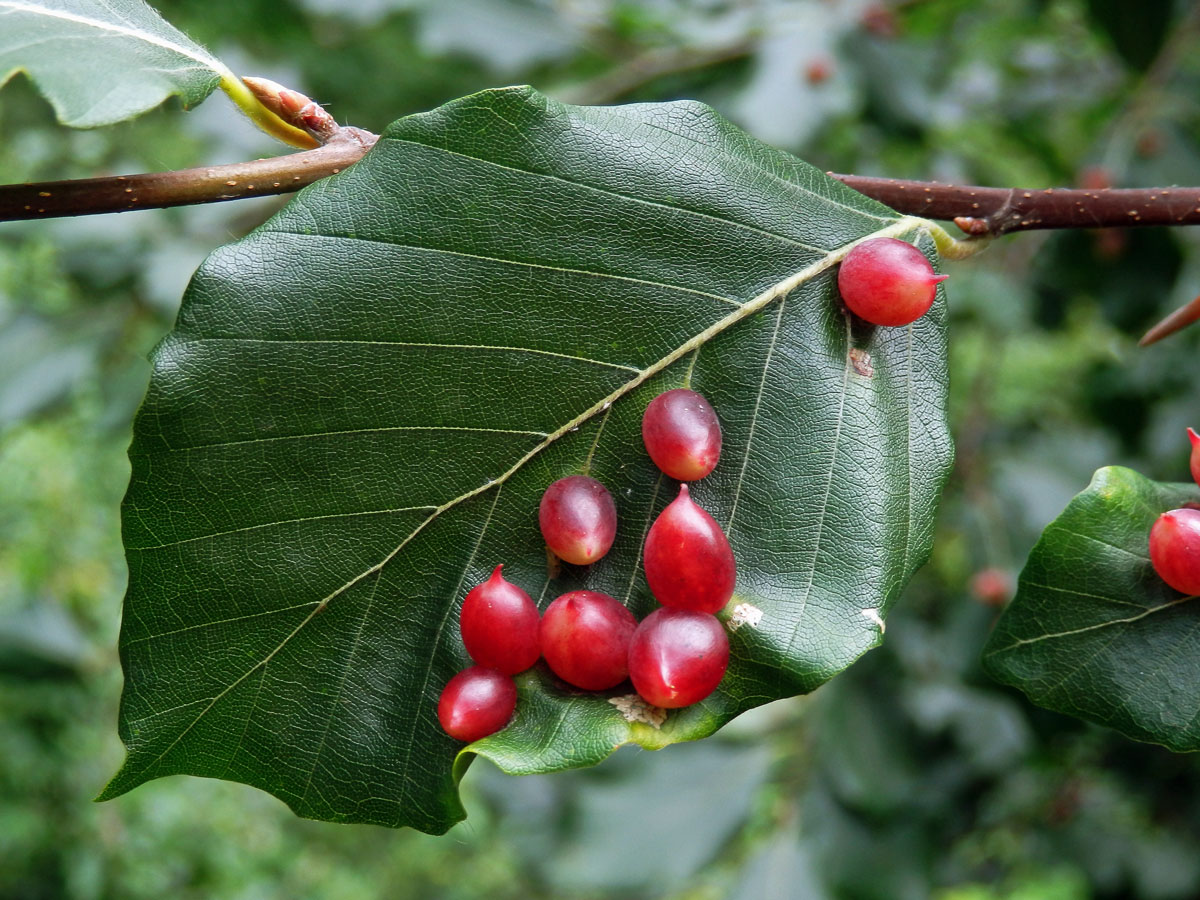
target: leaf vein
434 346
437 639
612 193
791 185
337 699
837 441
513 262
349 515
637 560
322 434
1062 634
1095 540
216 622
1064 590
207 61
737 493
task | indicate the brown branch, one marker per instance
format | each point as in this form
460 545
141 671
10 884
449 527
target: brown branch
208 184
995 211
977 210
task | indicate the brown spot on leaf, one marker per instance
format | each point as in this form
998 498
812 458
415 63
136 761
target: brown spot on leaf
553 565
635 709
861 360
745 614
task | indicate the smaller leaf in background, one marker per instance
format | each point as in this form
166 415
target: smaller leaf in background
98 63
1137 31
644 822
1093 632
40 365
42 642
506 36
798 80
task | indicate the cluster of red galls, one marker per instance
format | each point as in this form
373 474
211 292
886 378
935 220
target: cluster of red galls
675 657
678 654
1175 539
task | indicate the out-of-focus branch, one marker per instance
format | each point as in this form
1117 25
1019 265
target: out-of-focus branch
651 65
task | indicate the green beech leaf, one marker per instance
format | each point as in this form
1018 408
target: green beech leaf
362 402
1093 631
102 61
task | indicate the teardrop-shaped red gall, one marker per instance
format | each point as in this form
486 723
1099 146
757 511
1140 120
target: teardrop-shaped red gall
688 561
476 702
499 625
1195 438
682 434
677 657
578 519
1175 549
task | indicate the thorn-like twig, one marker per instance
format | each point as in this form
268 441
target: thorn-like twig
1176 321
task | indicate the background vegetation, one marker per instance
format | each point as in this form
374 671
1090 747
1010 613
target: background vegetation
911 775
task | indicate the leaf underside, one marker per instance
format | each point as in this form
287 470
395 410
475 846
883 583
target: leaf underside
363 400
100 62
1093 631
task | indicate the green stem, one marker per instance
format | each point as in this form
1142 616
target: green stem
951 247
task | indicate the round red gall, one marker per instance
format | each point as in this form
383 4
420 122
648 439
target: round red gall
687 558
991 587
677 657
885 281
1175 549
682 434
578 519
585 639
476 702
1195 439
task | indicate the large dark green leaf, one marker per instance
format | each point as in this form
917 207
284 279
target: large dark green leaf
102 61
363 401
1093 631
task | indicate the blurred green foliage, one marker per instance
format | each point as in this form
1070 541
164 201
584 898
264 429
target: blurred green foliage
910 776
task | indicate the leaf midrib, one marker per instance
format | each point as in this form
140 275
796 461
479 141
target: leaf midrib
208 61
1096 626
750 307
